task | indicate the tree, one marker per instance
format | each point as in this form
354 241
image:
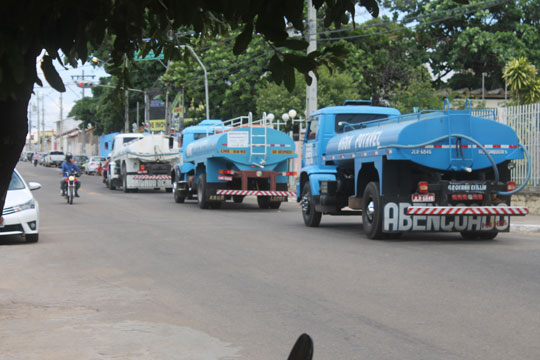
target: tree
333 89
381 55
523 81
418 92
29 27
474 36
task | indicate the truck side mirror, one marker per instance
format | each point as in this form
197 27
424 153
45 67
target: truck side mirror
106 146
171 142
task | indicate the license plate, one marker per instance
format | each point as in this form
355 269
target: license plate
224 178
423 197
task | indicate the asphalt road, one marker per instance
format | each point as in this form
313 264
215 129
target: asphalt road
136 276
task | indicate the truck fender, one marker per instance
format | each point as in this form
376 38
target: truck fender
314 182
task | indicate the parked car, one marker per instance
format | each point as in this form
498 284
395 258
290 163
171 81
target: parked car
55 158
81 161
94 164
21 210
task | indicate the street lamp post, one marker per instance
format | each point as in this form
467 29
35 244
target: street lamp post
205 77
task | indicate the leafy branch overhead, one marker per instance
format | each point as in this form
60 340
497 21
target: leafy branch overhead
75 28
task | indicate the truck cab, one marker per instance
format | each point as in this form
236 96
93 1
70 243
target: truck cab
325 124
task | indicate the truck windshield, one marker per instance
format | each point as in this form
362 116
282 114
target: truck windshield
128 139
199 136
354 119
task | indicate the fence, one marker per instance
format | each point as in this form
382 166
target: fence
525 120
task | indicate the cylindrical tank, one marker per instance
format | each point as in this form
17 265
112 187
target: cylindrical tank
246 147
380 138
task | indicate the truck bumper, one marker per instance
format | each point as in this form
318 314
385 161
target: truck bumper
149 181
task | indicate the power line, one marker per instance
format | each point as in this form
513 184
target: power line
485 5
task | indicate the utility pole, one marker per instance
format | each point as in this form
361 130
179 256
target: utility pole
311 90
126 110
83 86
60 127
38 125
42 122
30 124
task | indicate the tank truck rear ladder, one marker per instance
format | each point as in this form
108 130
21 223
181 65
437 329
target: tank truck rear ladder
252 136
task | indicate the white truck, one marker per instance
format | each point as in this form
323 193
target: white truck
141 161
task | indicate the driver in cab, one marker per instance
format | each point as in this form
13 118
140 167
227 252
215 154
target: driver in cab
68 166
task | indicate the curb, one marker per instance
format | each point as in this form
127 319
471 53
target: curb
524 227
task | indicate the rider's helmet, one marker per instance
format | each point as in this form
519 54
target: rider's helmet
69 157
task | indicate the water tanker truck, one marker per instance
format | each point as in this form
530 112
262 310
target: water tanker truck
229 160
432 171
141 161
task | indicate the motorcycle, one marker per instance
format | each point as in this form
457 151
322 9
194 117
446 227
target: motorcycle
71 183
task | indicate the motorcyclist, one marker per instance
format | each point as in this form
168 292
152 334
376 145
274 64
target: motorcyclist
69 166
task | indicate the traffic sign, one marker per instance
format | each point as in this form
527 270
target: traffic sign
148 57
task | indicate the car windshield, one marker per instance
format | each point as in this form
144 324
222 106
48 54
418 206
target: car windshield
16 182
56 153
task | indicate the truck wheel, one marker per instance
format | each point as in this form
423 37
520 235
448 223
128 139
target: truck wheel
124 179
372 211
312 217
202 197
484 235
275 204
179 197
263 201
237 199
215 205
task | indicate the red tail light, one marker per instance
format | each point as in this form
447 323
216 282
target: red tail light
423 187
142 167
226 172
288 173
511 186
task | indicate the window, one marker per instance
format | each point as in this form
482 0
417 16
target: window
313 127
56 153
352 119
199 136
128 139
16 182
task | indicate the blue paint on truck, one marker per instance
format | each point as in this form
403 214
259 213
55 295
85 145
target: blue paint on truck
428 171
233 159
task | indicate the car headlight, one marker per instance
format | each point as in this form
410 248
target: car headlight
26 206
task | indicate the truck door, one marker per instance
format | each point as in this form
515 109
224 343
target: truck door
310 149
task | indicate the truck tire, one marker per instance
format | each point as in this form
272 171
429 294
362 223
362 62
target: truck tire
483 235
215 205
202 197
275 204
179 197
312 217
237 199
372 211
124 179
263 201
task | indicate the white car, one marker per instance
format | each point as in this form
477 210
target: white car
21 210
93 164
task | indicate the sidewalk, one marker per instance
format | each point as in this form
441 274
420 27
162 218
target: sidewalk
528 223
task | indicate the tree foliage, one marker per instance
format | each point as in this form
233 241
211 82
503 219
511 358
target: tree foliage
478 36
523 81
333 89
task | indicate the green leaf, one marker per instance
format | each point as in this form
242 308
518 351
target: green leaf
288 76
243 40
51 75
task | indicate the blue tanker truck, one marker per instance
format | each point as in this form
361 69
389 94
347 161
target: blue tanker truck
430 171
229 160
